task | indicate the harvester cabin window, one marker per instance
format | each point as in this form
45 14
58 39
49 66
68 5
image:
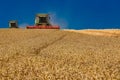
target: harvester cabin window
42 20
13 24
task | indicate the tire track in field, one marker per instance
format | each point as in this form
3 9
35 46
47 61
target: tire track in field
38 51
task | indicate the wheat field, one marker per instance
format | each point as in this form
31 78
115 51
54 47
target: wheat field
35 54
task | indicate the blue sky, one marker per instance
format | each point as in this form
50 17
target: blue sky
72 14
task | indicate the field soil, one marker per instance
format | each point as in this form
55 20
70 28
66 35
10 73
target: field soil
34 54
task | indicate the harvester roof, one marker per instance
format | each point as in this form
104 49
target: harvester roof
13 21
42 15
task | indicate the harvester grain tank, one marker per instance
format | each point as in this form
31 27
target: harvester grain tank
42 21
13 24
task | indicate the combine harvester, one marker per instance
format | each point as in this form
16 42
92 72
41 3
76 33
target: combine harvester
42 21
13 24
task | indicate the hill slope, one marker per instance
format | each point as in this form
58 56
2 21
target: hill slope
56 54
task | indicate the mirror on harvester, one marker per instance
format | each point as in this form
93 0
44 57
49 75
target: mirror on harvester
13 24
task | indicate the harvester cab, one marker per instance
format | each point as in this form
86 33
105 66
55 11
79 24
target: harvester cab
13 24
42 21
